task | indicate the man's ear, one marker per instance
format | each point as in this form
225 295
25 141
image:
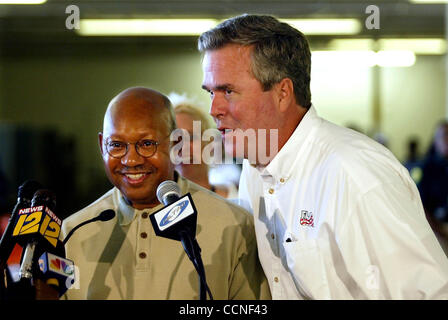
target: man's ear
285 91
100 141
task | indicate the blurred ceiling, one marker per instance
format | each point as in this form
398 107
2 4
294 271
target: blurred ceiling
46 22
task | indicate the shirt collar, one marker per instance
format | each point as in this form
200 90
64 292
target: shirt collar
126 213
281 166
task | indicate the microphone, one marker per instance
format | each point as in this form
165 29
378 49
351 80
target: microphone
56 271
38 228
105 215
178 215
24 197
177 221
168 192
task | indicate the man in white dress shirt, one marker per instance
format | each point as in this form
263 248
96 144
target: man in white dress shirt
336 215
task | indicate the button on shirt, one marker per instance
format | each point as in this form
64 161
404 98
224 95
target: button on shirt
124 259
338 217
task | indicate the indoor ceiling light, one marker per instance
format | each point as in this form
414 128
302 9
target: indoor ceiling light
351 44
363 58
390 58
22 1
420 46
325 26
180 27
145 27
429 1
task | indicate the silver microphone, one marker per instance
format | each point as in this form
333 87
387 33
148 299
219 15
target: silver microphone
168 192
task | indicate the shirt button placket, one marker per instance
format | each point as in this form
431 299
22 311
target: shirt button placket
143 244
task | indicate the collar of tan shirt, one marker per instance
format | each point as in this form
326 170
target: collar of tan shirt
126 213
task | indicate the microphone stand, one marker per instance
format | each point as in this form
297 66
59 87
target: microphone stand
193 251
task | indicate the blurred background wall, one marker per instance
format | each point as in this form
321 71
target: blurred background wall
56 84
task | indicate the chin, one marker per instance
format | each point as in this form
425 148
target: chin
139 195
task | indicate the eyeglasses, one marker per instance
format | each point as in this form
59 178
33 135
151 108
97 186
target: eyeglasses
118 149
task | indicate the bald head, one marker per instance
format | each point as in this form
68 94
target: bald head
140 118
139 103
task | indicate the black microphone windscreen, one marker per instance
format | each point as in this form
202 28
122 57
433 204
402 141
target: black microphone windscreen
44 197
27 189
106 215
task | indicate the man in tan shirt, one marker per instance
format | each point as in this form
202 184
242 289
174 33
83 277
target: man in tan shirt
123 258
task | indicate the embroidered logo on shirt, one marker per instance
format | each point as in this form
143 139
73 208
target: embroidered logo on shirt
306 218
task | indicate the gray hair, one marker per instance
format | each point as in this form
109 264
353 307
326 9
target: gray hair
280 51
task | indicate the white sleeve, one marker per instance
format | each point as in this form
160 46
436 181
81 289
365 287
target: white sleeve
389 248
384 249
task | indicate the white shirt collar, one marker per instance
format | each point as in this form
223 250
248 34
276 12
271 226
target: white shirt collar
280 167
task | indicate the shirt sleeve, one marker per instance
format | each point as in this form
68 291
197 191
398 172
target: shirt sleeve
389 249
384 249
248 281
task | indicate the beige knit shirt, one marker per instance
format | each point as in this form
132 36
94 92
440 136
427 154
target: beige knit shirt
124 259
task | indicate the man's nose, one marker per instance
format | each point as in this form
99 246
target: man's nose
132 158
218 108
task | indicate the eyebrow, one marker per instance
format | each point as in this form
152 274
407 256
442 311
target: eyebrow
118 137
221 87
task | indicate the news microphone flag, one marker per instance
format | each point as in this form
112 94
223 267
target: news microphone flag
55 267
179 215
37 221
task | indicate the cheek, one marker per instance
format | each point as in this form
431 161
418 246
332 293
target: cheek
110 164
247 117
253 111
110 168
162 161
242 114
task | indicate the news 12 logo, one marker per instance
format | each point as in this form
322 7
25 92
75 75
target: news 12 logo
174 213
37 220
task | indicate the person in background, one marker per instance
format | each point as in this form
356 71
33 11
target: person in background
336 214
123 258
187 111
433 185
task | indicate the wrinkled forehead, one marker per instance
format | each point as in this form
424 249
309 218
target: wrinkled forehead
230 54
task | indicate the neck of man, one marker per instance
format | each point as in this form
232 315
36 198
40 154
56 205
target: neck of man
286 129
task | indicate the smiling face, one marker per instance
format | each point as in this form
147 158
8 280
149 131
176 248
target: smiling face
238 99
131 117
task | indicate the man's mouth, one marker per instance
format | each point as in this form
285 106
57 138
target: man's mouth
135 178
224 130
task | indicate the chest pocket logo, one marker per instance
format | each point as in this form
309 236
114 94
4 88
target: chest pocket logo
306 218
